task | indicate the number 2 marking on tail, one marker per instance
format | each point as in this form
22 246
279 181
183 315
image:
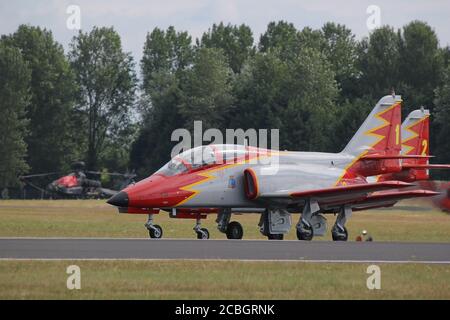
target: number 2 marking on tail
424 147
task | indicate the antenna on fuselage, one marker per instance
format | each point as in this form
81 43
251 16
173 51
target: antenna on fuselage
393 92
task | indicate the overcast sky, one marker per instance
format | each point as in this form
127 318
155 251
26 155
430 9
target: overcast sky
134 18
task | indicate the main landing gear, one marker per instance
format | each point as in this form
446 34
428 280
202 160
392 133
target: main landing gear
339 232
305 230
275 223
233 230
154 230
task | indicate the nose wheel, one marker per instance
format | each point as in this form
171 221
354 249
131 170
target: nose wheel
154 231
202 234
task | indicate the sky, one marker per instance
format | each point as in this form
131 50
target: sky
133 19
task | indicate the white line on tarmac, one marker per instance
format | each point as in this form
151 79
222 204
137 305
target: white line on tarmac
237 260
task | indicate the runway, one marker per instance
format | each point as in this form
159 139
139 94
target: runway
163 249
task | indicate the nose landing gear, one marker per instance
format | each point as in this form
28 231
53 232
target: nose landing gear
155 231
202 233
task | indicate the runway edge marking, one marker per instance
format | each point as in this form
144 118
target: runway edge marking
237 260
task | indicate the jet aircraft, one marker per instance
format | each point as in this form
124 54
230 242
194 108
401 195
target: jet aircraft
232 179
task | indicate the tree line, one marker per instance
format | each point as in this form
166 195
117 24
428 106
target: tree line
315 85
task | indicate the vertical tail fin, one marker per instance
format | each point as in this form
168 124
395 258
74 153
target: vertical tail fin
415 133
379 135
415 140
381 132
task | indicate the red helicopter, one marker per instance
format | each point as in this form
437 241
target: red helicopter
76 184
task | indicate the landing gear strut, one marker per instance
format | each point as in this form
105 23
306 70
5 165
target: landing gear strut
202 233
233 229
274 223
305 230
154 230
339 232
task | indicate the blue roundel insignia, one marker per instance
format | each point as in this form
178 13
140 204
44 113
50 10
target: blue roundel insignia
231 182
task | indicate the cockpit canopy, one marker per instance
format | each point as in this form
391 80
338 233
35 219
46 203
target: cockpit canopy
205 156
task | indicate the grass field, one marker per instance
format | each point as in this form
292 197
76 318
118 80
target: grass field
94 218
220 280
212 279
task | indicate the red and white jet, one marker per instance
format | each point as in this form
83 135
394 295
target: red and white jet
227 179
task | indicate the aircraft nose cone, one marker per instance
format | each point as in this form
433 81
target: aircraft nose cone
119 200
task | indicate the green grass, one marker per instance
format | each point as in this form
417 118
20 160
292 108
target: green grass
211 279
94 218
220 280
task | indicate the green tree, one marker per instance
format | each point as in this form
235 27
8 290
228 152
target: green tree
310 38
381 62
51 141
295 96
106 89
206 90
312 92
167 54
235 41
14 95
283 36
153 144
421 63
442 120
340 49
350 114
259 92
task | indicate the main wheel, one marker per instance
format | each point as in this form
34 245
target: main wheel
305 233
275 236
204 235
234 230
339 235
155 232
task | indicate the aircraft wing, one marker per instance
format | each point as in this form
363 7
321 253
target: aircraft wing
344 192
390 198
361 196
356 189
425 166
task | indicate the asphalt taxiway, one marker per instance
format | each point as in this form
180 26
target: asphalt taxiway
163 249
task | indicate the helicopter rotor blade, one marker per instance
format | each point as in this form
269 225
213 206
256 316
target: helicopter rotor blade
127 175
38 175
